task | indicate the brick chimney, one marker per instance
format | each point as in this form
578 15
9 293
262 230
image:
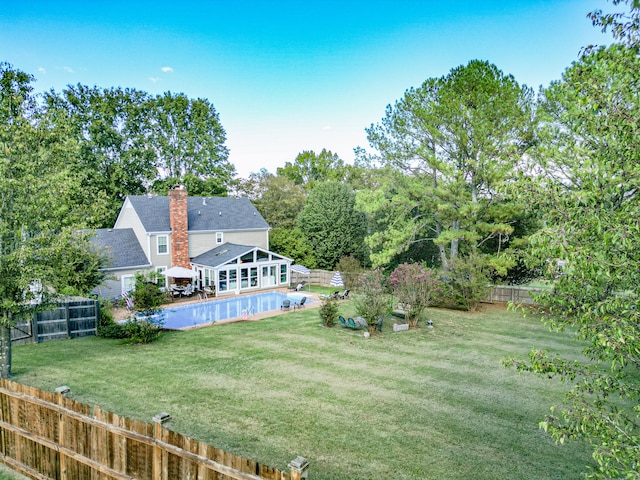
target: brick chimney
179 227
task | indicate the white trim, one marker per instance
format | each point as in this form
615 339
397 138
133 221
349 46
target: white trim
158 237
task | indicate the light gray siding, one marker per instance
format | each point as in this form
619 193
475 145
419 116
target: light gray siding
200 243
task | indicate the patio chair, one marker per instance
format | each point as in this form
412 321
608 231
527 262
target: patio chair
344 294
301 285
188 291
300 304
352 324
285 304
343 322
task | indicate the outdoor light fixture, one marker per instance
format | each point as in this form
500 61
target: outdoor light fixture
162 418
299 465
63 390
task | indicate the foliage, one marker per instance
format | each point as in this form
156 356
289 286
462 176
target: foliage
372 298
129 142
350 270
623 25
456 141
466 282
146 323
109 126
331 224
141 330
310 169
328 311
107 327
41 253
187 140
292 243
588 188
279 201
147 296
416 287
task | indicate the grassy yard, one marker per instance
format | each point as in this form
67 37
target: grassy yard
424 404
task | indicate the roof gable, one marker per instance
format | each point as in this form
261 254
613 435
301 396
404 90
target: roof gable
203 213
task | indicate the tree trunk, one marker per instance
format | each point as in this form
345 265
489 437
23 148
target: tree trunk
5 350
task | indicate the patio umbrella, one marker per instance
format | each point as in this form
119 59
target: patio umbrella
180 272
336 280
300 269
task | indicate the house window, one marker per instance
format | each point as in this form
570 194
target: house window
161 280
283 273
218 238
163 245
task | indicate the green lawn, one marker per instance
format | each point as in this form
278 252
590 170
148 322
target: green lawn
424 404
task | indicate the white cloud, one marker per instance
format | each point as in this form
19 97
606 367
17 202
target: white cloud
68 69
167 69
154 79
42 70
327 128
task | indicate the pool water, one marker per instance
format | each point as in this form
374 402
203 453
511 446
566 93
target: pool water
216 310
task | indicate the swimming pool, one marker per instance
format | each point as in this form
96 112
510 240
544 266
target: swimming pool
216 310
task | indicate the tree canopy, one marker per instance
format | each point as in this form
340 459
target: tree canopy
587 183
332 225
449 146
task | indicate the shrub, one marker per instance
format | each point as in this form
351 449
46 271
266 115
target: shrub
107 327
372 299
141 330
328 312
467 282
416 287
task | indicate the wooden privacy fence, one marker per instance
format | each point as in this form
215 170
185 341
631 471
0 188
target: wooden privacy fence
45 435
70 319
510 293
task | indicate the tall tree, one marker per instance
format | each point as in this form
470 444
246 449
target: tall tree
309 168
111 127
449 146
40 250
187 139
588 186
332 225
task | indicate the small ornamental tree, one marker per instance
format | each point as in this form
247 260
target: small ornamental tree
145 326
329 312
416 287
372 299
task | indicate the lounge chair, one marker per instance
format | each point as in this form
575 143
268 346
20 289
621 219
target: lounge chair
344 294
286 304
336 294
352 324
300 304
301 285
343 322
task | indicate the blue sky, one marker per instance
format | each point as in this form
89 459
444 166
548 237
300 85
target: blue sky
288 76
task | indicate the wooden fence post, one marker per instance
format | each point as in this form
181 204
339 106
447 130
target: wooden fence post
299 467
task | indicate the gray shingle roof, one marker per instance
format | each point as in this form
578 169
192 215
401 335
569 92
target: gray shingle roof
221 255
121 247
204 213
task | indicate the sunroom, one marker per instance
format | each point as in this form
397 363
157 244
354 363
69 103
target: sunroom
234 269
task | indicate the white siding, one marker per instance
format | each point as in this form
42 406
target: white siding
128 218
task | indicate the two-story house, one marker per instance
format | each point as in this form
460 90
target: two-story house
224 240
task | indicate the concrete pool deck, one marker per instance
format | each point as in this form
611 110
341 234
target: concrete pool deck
120 314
